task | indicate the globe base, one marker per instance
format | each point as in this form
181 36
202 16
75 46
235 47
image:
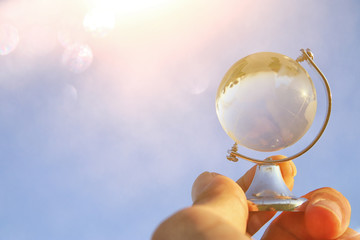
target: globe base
276 204
268 191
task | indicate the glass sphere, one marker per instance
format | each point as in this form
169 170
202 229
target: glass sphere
266 102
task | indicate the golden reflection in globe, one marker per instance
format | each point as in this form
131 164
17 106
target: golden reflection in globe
9 38
99 21
77 57
266 102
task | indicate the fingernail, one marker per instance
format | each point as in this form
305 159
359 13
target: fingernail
202 181
329 205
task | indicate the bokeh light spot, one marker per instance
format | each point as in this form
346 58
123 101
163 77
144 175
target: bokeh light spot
70 92
9 38
198 86
77 57
69 95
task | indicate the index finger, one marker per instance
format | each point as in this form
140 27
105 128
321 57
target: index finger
327 214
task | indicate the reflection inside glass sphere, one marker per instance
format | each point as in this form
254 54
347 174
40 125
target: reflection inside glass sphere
266 102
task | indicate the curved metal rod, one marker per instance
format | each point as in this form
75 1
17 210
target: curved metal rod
308 56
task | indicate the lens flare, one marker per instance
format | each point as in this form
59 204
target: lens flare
77 57
9 39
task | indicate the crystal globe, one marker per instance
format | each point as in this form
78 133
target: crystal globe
266 102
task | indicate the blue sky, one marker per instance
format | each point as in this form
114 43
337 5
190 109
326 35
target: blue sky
105 125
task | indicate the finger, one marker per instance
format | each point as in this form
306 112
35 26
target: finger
326 216
350 234
223 197
258 219
288 226
219 212
328 213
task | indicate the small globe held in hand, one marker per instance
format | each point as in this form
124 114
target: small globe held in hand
266 102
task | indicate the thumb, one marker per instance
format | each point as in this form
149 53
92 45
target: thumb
223 197
219 212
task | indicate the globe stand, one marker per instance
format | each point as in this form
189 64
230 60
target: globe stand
268 191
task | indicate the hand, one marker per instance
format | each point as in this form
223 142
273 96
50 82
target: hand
220 211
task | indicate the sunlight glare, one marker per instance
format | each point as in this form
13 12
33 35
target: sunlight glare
125 7
99 21
103 15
